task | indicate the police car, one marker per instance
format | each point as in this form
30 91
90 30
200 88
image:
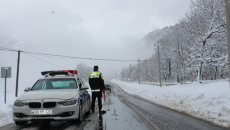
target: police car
59 95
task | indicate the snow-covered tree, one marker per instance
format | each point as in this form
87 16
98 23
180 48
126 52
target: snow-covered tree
83 71
193 49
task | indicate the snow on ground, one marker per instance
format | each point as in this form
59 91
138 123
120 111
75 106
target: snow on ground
6 115
209 100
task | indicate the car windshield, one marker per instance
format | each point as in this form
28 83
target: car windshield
48 84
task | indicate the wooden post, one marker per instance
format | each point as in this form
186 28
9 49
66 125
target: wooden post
159 65
16 91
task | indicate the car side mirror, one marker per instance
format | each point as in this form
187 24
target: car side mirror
27 89
84 87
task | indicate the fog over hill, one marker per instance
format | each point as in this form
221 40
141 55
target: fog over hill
112 30
31 65
152 37
145 47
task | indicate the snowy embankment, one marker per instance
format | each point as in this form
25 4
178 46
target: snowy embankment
209 101
6 115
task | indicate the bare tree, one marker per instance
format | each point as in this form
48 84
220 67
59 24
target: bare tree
83 71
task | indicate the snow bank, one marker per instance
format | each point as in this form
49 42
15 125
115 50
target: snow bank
6 114
209 101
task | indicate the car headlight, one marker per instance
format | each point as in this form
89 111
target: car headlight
68 102
19 103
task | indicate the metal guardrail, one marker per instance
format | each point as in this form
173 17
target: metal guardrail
159 85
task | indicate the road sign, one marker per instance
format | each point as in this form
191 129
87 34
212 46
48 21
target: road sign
5 73
4 70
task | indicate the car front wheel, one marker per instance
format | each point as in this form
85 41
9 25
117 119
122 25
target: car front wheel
89 106
80 115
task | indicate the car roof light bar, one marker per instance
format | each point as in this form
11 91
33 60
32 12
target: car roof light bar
59 72
46 72
71 71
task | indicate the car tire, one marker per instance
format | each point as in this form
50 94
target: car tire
20 123
80 115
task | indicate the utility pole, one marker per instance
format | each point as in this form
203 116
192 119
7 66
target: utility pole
227 8
123 74
130 72
16 91
178 59
159 64
139 72
116 75
198 77
147 70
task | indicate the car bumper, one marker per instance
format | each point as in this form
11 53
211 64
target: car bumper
59 112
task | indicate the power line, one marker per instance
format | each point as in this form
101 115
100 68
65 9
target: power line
63 56
14 63
5 48
45 61
178 9
73 57
8 50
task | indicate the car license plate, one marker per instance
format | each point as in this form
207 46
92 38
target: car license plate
41 112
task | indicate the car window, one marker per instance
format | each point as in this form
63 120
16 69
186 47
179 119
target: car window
55 84
80 83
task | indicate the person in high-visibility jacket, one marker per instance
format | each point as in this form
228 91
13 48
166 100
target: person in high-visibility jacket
96 82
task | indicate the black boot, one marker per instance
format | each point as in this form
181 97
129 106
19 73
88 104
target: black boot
102 111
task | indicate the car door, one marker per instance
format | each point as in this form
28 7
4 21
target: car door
87 102
82 95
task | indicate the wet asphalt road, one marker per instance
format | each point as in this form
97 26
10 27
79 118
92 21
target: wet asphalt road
125 112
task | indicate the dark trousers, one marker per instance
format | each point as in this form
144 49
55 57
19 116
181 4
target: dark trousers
97 95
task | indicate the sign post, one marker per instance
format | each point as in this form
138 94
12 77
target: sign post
5 83
5 73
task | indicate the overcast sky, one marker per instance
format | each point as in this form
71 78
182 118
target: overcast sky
87 28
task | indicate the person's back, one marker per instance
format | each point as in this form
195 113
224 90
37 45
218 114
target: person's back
96 83
96 80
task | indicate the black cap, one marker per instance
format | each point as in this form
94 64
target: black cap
95 67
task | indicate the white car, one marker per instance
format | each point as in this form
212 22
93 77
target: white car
60 95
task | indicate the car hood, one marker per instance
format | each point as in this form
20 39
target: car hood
48 94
